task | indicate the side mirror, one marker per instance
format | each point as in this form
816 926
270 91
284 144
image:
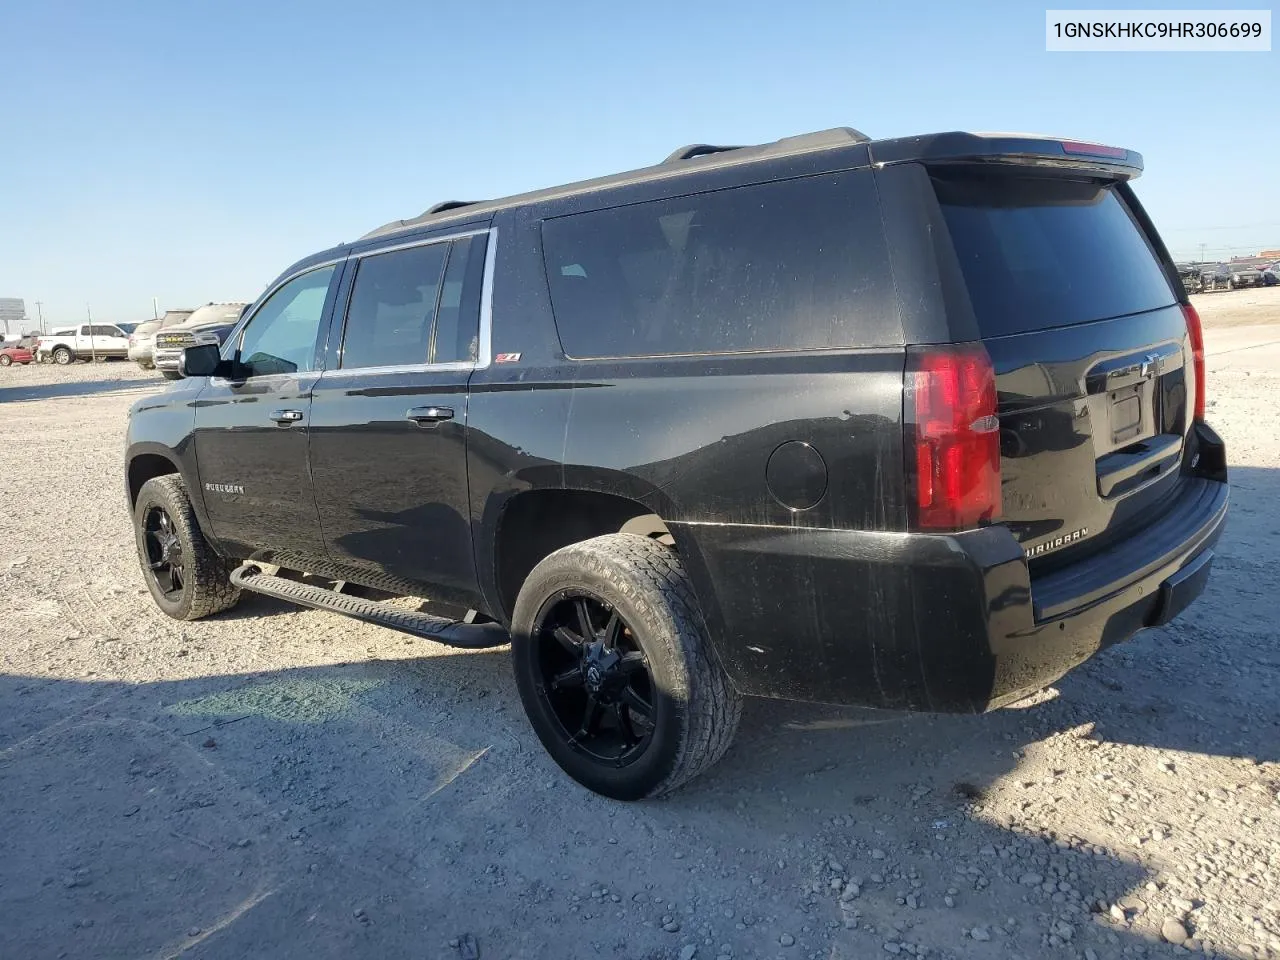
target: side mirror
203 360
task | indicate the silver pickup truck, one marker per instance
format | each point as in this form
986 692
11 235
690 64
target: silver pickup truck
208 324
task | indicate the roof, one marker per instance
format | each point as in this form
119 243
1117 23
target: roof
681 162
954 146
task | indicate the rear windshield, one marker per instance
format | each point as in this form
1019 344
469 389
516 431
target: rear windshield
1041 252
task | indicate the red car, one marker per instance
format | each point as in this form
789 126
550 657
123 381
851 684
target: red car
20 352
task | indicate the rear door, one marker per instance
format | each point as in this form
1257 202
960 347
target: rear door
1067 291
389 416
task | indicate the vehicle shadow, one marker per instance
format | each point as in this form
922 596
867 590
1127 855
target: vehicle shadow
380 808
73 388
386 806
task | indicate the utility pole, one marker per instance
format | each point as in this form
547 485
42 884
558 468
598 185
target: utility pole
155 308
1202 248
93 346
40 314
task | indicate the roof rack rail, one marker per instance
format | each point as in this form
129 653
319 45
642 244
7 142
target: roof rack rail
449 205
822 138
697 150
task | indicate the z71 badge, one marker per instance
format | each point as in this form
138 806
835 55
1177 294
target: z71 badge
1056 542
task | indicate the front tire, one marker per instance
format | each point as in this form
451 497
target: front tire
614 668
186 578
5 360
62 356
171 374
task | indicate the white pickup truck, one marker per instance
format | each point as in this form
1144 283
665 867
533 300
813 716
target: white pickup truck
85 342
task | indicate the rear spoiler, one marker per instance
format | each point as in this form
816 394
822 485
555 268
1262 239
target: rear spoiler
1017 149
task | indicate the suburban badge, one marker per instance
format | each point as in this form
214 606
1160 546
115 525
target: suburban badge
1056 542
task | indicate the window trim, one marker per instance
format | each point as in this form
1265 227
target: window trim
235 339
484 336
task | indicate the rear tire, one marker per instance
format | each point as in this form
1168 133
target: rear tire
171 374
674 714
186 578
5 360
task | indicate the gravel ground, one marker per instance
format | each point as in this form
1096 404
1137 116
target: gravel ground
287 783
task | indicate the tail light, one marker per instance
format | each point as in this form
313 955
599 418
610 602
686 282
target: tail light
1196 334
951 415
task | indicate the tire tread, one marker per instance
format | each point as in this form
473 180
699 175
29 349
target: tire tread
715 707
211 587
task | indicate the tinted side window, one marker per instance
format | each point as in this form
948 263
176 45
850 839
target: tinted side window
281 336
457 335
393 306
777 266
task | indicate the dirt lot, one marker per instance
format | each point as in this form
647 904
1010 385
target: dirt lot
288 783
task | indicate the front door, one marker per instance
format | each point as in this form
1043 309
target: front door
388 418
251 431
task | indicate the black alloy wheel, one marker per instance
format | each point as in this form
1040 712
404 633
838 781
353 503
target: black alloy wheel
594 678
165 556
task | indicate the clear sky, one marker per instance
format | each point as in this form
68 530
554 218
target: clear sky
189 151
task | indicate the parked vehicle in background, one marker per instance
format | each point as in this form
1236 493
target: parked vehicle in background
1189 274
208 324
1245 275
1271 275
101 341
20 351
142 340
1215 276
684 435
46 341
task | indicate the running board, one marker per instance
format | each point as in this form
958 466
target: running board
452 633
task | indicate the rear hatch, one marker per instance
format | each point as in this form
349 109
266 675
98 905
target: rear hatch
1051 385
1071 295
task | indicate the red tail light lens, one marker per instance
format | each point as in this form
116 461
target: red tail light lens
1196 334
951 410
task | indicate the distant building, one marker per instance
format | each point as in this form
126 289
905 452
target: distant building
1270 254
13 316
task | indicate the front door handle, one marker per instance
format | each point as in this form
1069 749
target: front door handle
286 417
428 415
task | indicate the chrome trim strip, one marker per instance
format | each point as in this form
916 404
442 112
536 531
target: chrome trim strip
484 346
420 242
342 372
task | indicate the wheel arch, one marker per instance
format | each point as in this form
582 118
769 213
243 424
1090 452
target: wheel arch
146 460
147 465
533 524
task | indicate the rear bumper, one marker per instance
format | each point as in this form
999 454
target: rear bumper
923 622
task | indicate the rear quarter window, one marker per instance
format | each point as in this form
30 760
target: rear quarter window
769 267
1041 252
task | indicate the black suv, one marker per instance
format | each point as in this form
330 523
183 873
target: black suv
913 424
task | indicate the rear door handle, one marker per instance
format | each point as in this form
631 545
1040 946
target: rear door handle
427 415
286 417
